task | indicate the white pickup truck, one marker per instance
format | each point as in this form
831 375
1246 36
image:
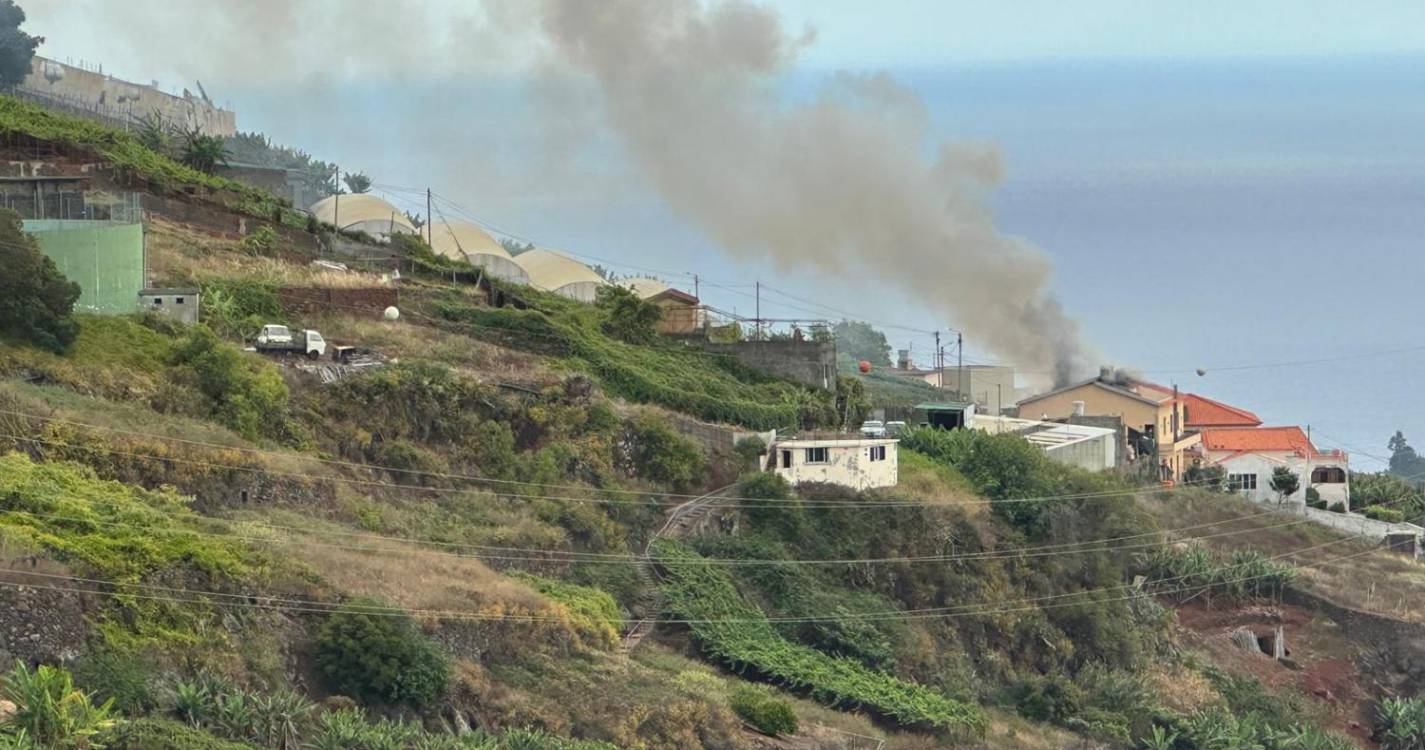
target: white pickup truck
277 338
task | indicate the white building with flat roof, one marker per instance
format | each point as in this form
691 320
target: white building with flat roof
1092 448
858 463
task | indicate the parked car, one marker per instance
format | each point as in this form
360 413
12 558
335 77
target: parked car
873 428
895 429
280 339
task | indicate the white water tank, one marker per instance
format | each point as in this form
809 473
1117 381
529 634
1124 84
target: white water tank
391 313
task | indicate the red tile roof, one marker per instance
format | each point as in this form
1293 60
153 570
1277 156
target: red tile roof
1203 413
1259 439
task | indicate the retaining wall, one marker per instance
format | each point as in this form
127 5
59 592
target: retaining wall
810 362
306 299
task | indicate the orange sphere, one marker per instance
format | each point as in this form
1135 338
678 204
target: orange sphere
865 366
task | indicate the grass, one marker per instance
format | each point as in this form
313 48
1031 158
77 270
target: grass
179 255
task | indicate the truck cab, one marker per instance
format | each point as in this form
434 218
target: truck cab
274 335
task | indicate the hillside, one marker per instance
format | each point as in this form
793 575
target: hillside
446 550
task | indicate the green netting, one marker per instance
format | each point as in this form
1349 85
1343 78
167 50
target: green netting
105 259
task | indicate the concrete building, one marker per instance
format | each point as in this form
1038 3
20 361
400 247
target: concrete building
105 258
462 240
178 303
944 415
1092 448
1154 423
363 212
1249 456
858 463
560 274
1202 413
990 386
681 313
89 92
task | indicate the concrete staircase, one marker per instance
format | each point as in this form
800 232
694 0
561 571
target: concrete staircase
682 521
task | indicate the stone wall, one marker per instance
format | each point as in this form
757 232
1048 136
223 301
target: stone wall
307 299
91 93
810 362
1396 657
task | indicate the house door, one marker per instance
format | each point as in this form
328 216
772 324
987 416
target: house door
786 459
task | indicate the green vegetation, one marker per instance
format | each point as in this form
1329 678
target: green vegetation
1382 513
1245 573
36 300
662 455
763 710
135 162
738 634
1388 490
627 317
49 711
1284 482
686 379
1400 724
204 153
591 611
242 392
19 47
380 656
860 341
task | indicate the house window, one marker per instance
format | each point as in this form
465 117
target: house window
878 453
1237 482
816 456
177 300
157 300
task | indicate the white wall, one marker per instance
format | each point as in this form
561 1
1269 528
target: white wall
1094 454
848 463
1352 523
1262 465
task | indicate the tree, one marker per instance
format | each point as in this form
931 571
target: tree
357 182
627 317
1404 461
17 48
1285 483
416 219
368 652
204 152
861 341
36 300
155 133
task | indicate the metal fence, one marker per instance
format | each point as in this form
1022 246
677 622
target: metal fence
120 208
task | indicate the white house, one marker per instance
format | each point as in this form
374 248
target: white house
1085 446
858 463
1249 455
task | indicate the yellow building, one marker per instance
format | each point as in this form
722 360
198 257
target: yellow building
1154 419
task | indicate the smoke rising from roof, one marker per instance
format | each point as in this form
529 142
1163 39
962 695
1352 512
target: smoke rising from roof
840 182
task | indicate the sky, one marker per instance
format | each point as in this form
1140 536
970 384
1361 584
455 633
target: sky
1220 185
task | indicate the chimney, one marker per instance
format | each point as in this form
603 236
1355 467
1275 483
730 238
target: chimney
903 359
1105 374
1078 408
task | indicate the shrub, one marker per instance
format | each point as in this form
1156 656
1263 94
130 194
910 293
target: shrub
244 393
1051 698
626 317
1314 500
1337 507
261 241
121 676
50 711
1382 513
237 308
750 450
661 455
1400 724
36 300
161 734
380 657
768 713
593 612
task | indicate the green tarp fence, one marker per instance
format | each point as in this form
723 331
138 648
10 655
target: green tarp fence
104 258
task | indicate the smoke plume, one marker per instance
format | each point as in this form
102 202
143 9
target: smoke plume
840 181
845 179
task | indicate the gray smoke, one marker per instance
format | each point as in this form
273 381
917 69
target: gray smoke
846 180
841 181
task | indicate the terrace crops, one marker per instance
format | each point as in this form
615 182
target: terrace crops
739 635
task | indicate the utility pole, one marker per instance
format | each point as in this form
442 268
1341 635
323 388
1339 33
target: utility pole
696 292
336 199
960 353
999 399
759 310
939 362
430 225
